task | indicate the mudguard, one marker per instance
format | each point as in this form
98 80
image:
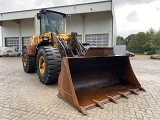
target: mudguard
31 50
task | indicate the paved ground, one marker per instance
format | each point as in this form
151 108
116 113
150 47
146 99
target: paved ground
23 97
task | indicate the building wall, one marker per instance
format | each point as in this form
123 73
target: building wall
90 20
70 9
10 29
91 23
23 29
26 31
74 23
98 23
27 27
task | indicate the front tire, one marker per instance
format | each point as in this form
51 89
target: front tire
29 62
48 64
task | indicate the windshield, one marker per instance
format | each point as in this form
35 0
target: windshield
52 22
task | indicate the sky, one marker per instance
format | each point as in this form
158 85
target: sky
132 16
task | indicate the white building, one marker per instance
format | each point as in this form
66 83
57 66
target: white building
94 22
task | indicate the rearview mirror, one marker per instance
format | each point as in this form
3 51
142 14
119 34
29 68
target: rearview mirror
39 16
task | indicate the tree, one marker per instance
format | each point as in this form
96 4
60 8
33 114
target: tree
120 40
139 43
151 31
129 39
155 42
142 41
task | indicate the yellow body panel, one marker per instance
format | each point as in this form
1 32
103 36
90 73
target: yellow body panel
36 39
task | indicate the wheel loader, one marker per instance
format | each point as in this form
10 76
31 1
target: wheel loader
87 77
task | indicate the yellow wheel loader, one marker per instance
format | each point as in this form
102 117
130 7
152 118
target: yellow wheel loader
86 77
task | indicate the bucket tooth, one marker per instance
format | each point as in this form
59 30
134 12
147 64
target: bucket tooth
133 91
112 99
141 88
98 104
82 110
123 95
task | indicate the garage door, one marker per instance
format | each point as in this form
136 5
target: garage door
97 39
25 41
12 42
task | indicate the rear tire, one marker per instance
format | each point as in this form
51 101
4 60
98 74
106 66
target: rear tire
48 64
29 62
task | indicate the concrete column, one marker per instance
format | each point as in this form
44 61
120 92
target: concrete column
20 37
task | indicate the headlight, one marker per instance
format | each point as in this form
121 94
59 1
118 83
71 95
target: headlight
45 38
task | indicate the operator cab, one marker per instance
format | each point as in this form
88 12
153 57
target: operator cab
50 21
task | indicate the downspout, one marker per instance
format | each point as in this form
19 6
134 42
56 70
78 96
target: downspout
2 36
83 40
20 40
112 22
1 32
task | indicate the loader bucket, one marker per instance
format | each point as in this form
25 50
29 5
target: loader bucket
85 82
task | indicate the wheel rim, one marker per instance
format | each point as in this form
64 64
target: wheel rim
24 59
42 65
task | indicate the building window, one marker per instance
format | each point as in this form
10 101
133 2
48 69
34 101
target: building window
12 42
25 41
97 39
